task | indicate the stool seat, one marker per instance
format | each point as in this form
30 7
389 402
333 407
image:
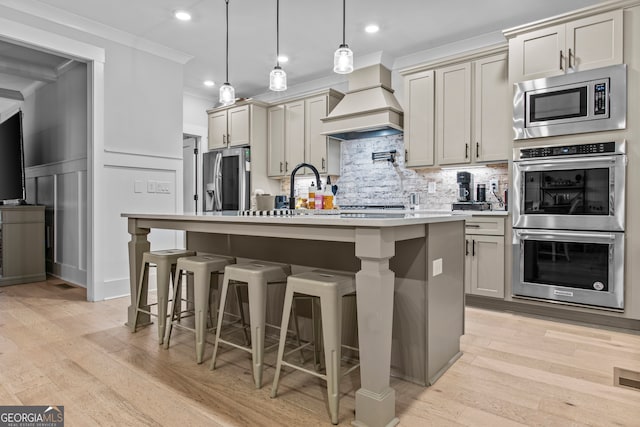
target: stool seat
202 267
257 275
165 262
330 287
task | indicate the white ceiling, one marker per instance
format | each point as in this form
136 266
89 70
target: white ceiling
310 30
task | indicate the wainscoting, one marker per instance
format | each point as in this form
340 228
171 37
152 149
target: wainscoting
62 188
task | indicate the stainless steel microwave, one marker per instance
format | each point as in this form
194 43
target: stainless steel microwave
584 101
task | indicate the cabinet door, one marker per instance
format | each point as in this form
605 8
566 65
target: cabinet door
453 114
218 130
294 135
238 126
487 266
595 41
275 140
315 143
492 109
419 118
23 249
537 54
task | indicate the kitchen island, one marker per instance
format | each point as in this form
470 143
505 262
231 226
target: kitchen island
416 258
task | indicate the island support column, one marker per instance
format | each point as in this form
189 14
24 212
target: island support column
375 400
137 246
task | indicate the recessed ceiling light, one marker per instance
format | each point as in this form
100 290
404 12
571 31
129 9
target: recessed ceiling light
372 28
209 83
283 58
182 15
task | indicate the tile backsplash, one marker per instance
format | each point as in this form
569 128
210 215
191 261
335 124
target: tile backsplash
380 182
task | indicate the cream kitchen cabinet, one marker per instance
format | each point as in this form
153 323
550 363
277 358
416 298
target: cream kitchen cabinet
472 111
234 126
582 44
294 135
419 113
484 256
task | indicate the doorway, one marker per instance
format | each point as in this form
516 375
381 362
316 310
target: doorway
191 173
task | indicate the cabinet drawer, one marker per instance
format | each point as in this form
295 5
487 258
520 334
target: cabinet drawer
485 225
22 215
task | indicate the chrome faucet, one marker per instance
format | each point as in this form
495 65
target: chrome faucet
292 197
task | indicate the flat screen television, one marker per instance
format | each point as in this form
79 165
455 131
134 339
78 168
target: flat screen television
12 182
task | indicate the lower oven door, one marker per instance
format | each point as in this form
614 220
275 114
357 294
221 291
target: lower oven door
577 267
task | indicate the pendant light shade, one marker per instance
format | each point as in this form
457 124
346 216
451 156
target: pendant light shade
227 92
343 57
277 77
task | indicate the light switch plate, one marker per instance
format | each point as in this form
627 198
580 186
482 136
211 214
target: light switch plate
138 186
151 186
437 267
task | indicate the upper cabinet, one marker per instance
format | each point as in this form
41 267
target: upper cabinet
419 116
234 126
582 44
294 135
459 111
453 114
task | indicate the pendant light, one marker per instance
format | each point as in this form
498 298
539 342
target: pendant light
277 77
227 92
343 58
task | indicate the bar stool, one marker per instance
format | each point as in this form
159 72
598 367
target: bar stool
165 263
204 268
257 275
330 287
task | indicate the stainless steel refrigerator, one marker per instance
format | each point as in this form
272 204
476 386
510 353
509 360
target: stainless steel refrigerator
226 179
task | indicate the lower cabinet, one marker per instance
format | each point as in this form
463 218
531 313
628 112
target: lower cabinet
484 261
22 244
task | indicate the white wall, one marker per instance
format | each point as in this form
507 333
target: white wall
55 147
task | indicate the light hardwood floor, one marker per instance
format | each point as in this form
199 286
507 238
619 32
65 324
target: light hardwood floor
56 348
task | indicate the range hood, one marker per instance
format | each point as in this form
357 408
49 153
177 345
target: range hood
368 109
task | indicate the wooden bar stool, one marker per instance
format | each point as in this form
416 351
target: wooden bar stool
165 263
205 270
257 275
330 287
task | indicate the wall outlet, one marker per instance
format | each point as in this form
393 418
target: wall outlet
163 187
493 185
432 187
437 267
151 186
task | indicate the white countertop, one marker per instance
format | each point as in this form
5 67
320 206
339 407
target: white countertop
351 218
483 213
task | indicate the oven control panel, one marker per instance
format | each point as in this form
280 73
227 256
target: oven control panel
568 150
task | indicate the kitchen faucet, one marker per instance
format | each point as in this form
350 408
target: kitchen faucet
292 197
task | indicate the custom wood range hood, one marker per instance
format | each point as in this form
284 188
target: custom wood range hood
368 109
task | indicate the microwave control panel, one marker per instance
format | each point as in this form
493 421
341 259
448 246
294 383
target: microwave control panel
568 150
600 98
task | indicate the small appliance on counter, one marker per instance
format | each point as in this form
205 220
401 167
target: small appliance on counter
465 195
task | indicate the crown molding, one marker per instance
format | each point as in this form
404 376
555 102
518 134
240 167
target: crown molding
76 22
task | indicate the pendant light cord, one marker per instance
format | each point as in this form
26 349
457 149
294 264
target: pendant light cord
278 33
344 20
227 64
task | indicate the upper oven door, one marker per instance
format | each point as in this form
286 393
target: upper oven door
571 193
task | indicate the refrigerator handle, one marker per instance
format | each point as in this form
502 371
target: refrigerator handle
217 179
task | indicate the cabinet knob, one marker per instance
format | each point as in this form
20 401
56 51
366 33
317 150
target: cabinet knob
406 156
466 150
224 138
477 150
473 248
466 247
228 138
286 166
280 166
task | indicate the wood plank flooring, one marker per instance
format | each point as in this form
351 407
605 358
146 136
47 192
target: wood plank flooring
56 348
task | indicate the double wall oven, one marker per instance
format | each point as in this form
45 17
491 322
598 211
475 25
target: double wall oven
568 223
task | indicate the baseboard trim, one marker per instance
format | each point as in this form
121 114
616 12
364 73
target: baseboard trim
552 312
